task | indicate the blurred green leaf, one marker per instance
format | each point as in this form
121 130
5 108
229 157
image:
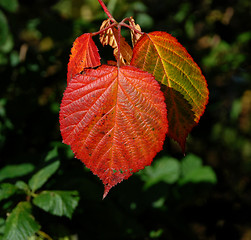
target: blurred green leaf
2 227
156 233
3 61
43 175
244 37
189 163
60 203
64 7
14 58
193 171
13 171
165 170
183 12
111 5
144 20
160 203
7 46
52 154
22 186
189 27
20 224
2 107
7 190
139 6
204 174
4 29
9 5
236 110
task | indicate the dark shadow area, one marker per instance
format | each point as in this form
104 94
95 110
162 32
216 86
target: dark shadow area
180 115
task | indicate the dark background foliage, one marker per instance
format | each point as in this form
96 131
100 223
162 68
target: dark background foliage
35 41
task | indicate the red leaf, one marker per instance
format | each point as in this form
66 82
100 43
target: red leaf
84 54
114 119
184 85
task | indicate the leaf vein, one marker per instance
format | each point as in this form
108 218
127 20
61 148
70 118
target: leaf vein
73 131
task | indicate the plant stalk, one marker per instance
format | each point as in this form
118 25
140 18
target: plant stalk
130 27
105 9
103 30
119 35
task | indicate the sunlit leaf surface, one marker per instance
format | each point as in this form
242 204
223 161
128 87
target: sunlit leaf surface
114 119
184 85
84 54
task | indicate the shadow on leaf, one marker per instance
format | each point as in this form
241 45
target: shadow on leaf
180 116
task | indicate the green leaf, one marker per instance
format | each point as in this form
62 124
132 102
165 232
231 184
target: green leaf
6 47
204 174
60 203
189 163
2 227
193 171
20 224
9 5
7 190
52 154
4 28
164 170
156 233
13 171
22 186
40 178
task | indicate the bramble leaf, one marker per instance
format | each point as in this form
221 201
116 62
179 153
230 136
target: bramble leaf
9 5
184 86
20 224
17 170
21 185
84 54
7 190
2 227
114 119
165 169
111 37
40 178
60 203
194 172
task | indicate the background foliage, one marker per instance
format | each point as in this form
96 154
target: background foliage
205 195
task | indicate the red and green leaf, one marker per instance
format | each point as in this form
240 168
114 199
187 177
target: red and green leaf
84 54
114 119
184 85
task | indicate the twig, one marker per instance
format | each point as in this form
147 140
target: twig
106 9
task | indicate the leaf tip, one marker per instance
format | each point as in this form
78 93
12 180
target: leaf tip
107 189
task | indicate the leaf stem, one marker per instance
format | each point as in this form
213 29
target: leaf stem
126 19
119 35
104 29
106 10
131 27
